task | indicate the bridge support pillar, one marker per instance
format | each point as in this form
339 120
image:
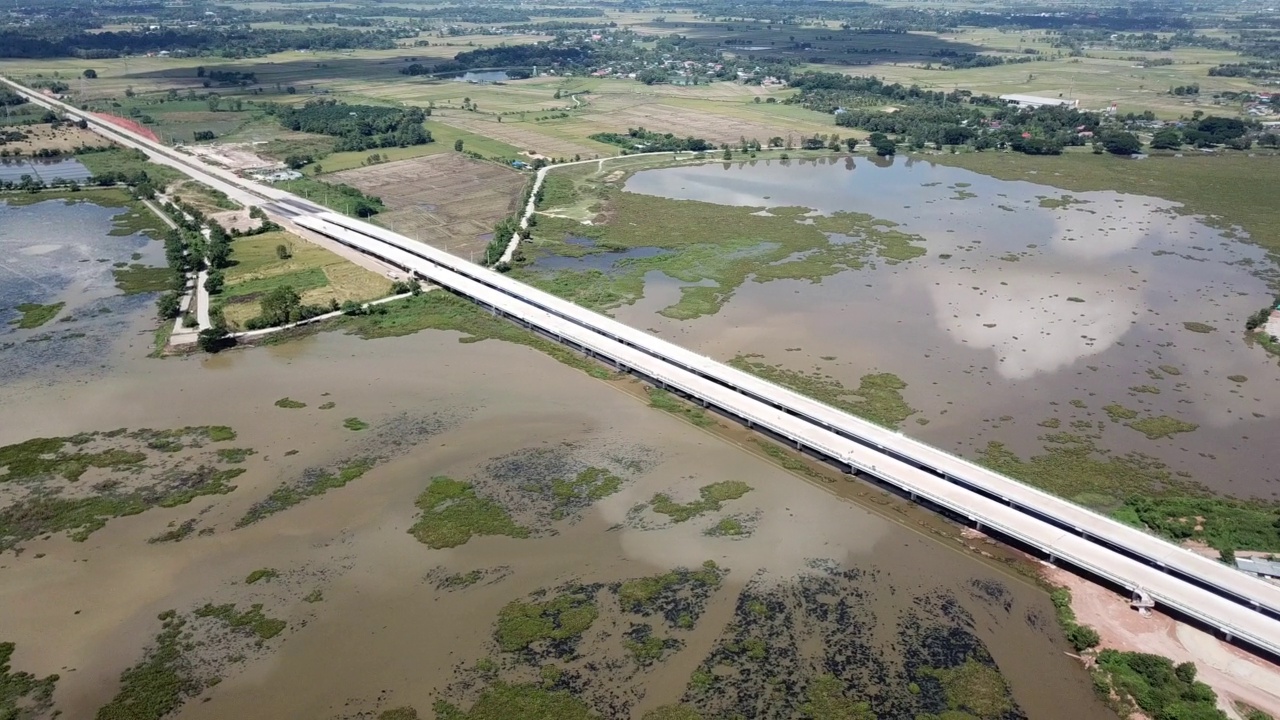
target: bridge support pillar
750 424
1226 635
1053 559
978 523
797 444
913 495
704 402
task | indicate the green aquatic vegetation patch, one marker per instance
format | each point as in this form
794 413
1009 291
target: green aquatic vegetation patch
37 457
711 498
645 647
1170 370
647 595
1218 522
1118 412
261 574
253 619
588 486
1199 327
458 581
41 514
720 244
667 402
23 695
34 315
290 404
175 533
974 688
728 527
452 513
1064 201
561 619
444 311
160 682
220 433
1073 465
138 278
235 455
1161 427
355 424
501 701
825 700
877 398
314 482
785 458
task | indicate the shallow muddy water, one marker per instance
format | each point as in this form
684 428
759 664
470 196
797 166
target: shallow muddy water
58 252
1031 304
369 626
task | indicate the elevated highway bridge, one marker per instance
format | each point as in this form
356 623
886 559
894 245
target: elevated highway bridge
1242 607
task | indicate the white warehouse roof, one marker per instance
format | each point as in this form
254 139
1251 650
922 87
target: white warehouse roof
1036 100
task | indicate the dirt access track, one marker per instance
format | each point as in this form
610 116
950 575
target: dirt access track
447 200
1233 673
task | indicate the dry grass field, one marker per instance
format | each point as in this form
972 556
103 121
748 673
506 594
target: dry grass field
528 136
315 273
40 137
447 200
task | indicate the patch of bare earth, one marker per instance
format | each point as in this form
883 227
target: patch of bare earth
233 156
448 201
1233 673
64 139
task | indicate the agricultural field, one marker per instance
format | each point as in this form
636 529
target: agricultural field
316 274
445 200
63 139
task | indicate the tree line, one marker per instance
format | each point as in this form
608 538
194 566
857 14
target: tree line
38 42
357 127
540 54
639 140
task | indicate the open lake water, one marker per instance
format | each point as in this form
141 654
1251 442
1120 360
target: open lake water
1029 298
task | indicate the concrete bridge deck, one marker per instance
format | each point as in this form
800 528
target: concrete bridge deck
1237 604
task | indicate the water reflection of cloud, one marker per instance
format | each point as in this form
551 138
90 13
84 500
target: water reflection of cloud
1090 234
1027 319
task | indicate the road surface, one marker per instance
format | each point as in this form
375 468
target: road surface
1241 606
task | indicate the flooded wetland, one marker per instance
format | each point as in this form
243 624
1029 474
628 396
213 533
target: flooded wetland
335 527
1002 320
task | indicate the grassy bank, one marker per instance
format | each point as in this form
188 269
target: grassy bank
443 311
717 246
316 274
1232 187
